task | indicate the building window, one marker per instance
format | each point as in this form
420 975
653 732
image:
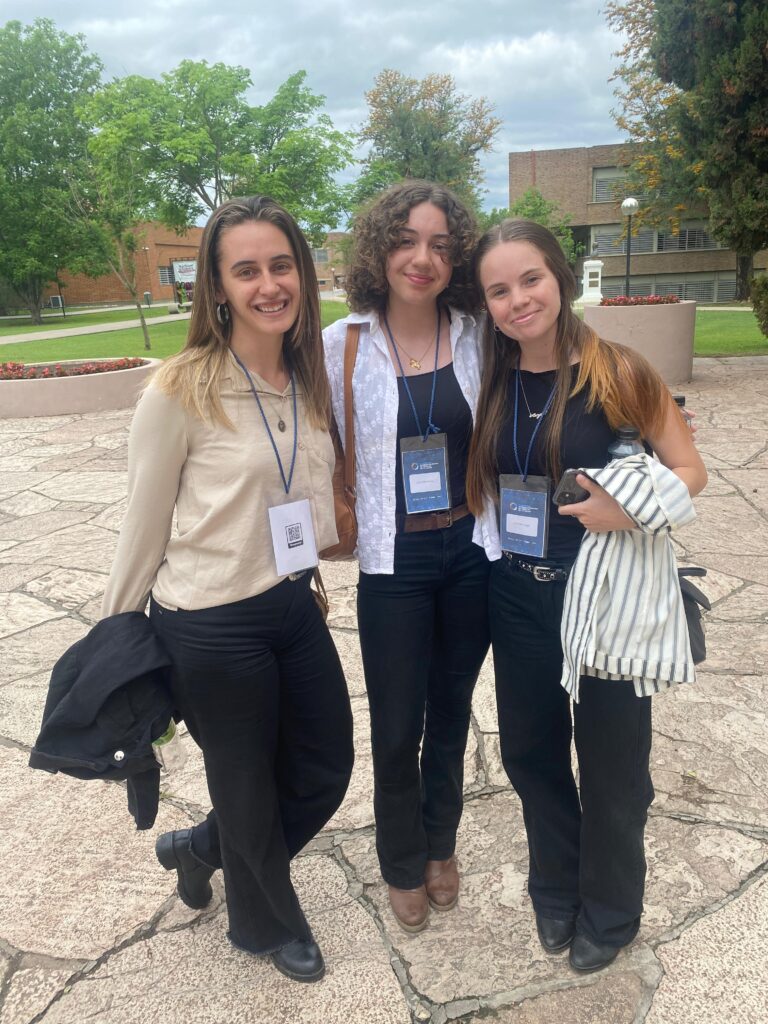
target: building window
726 289
319 255
607 241
701 291
608 184
166 275
690 239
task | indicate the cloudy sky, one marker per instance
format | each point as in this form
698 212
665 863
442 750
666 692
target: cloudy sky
544 66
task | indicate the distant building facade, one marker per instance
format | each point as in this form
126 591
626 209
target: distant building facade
160 249
586 183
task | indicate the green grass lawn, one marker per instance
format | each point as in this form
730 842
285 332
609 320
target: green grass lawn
718 333
60 323
166 339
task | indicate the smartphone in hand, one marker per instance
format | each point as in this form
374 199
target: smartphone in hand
568 492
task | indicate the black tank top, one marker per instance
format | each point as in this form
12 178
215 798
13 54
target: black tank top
584 442
451 414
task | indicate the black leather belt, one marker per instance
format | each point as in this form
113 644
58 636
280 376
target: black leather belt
541 573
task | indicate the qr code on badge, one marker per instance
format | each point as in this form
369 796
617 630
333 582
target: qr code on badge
294 535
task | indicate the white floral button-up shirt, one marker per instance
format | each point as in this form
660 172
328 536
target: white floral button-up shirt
375 394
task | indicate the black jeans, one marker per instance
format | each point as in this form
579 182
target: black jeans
587 859
423 635
260 686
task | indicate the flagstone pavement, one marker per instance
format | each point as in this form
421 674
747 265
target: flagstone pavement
90 927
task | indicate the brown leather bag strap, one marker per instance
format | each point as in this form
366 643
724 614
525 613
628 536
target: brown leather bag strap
350 357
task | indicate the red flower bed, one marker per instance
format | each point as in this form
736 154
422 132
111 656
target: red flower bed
42 371
640 300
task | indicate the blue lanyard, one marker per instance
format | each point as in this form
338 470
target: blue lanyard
286 482
524 472
431 428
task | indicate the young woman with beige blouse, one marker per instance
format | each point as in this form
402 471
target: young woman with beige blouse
232 436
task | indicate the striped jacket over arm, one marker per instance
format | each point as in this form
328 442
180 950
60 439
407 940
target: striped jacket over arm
623 614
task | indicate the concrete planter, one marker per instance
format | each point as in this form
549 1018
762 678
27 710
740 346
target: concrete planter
663 334
59 396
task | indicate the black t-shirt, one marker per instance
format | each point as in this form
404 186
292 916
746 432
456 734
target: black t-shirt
451 414
584 442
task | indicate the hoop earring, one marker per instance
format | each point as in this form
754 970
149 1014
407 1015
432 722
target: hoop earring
222 313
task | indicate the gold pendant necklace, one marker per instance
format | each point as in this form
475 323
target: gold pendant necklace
414 363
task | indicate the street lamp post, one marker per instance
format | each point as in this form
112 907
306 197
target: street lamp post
58 285
628 208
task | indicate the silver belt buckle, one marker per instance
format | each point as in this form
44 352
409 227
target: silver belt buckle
543 574
293 576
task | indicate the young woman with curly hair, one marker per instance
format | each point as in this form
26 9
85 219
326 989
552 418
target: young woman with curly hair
422 593
553 395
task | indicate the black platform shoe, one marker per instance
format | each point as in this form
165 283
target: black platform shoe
300 960
174 851
586 955
554 935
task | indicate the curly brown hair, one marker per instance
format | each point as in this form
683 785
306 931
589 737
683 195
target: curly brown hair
376 233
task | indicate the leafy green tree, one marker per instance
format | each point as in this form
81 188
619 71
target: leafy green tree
115 197
200 142
695 99
426 129
44 76
533 206
296 155
716 53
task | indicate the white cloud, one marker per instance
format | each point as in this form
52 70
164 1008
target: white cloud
544 67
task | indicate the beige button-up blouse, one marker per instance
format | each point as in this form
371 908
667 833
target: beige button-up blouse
221 483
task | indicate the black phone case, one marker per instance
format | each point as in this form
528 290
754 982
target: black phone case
568 492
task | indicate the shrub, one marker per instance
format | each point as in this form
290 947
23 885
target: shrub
758 292
640 300
44 371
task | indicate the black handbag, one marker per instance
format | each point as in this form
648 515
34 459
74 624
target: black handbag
693 602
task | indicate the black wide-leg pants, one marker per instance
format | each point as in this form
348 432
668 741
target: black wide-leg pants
424 636
260 686
587 859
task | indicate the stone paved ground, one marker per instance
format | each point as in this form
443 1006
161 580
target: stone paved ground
90 929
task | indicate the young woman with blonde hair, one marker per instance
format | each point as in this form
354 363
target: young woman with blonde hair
232 434
553 394
422 593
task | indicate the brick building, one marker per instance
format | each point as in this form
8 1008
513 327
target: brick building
330 261
586 183
159 248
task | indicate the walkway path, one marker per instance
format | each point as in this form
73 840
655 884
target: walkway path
90 927
71 332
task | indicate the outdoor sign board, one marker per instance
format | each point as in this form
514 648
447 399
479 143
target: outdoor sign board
185 271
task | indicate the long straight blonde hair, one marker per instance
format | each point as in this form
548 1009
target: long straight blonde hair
194 374
618 379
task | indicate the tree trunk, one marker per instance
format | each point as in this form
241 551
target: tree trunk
31 294
144 328
744 274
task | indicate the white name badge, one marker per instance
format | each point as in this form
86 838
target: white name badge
293 537
524 514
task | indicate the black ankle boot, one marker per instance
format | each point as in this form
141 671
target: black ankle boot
554 935
587 956
300 960
174 851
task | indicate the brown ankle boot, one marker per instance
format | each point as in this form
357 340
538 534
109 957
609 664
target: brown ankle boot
441 879
410 907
